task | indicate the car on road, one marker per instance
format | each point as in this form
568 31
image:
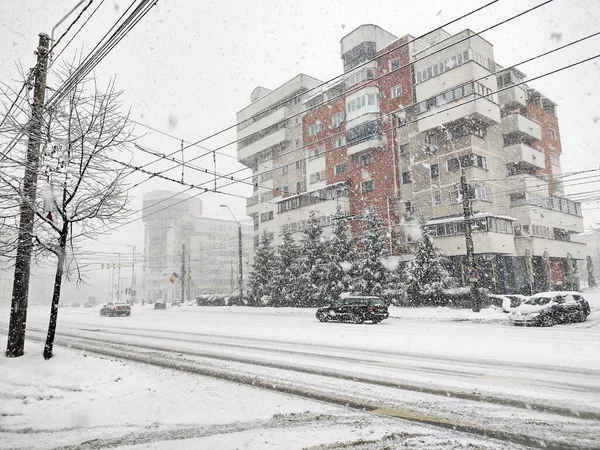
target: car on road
354 309
549 308
160 304
507 302
115 309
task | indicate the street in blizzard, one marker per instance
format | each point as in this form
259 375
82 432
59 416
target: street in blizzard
376 228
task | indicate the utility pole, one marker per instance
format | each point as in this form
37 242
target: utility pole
182 272
466 193
119 280
241 280
20 293
133 276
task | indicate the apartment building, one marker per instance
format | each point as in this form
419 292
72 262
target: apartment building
175 230
396 132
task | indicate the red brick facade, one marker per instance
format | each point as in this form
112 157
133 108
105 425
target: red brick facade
550 142
393 70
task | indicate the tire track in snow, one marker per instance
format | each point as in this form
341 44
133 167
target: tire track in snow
337 374
170 361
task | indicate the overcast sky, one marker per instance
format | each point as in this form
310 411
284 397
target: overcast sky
189 66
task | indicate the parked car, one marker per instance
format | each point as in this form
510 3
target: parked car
507 301
549 308
88 304
354 309
160 304
116 309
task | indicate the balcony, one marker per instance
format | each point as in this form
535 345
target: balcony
514 97
517 127
521 152
267 121
372 142
555 249
481 109
279 137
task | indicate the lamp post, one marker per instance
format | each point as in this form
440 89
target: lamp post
240 278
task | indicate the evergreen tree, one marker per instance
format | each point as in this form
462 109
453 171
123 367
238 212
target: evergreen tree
286 271
260 283
371 275
425 275
338 256
311 262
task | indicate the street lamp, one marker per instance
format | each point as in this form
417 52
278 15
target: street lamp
241 276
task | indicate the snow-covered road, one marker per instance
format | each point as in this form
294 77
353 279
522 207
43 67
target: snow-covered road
529 385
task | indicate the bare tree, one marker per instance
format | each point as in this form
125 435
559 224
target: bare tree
82 186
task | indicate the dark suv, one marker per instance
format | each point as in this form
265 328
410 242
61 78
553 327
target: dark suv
354 309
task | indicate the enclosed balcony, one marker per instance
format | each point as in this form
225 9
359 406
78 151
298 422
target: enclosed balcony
265 122
521 152
482 109
513 97
281 136
518 128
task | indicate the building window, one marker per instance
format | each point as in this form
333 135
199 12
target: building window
266 176
337 119
298 143
366 159
436 199
315 128
363 132
481 161
406 177
483 193
315 152
340 168
339 142
266 196
300 164
555 159
409 208
394 64
552 134
366 73
360 102
286 190
300 186
367 186
397 91
317 176
284 169
264 217
404 149
435 170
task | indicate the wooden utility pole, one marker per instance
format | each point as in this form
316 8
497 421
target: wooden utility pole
20 293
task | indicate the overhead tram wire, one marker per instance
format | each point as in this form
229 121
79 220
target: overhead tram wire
276 106
390 114
75 78
95 58
354 88
36 67
455 106
415 104
476 97
394 49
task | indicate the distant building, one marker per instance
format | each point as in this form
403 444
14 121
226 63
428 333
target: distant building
177 235
395 132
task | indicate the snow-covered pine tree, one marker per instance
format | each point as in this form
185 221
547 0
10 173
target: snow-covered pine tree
285 272
371 275
311 263
338 257
260 283
425 275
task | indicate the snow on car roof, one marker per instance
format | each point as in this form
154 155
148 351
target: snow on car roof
555 293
